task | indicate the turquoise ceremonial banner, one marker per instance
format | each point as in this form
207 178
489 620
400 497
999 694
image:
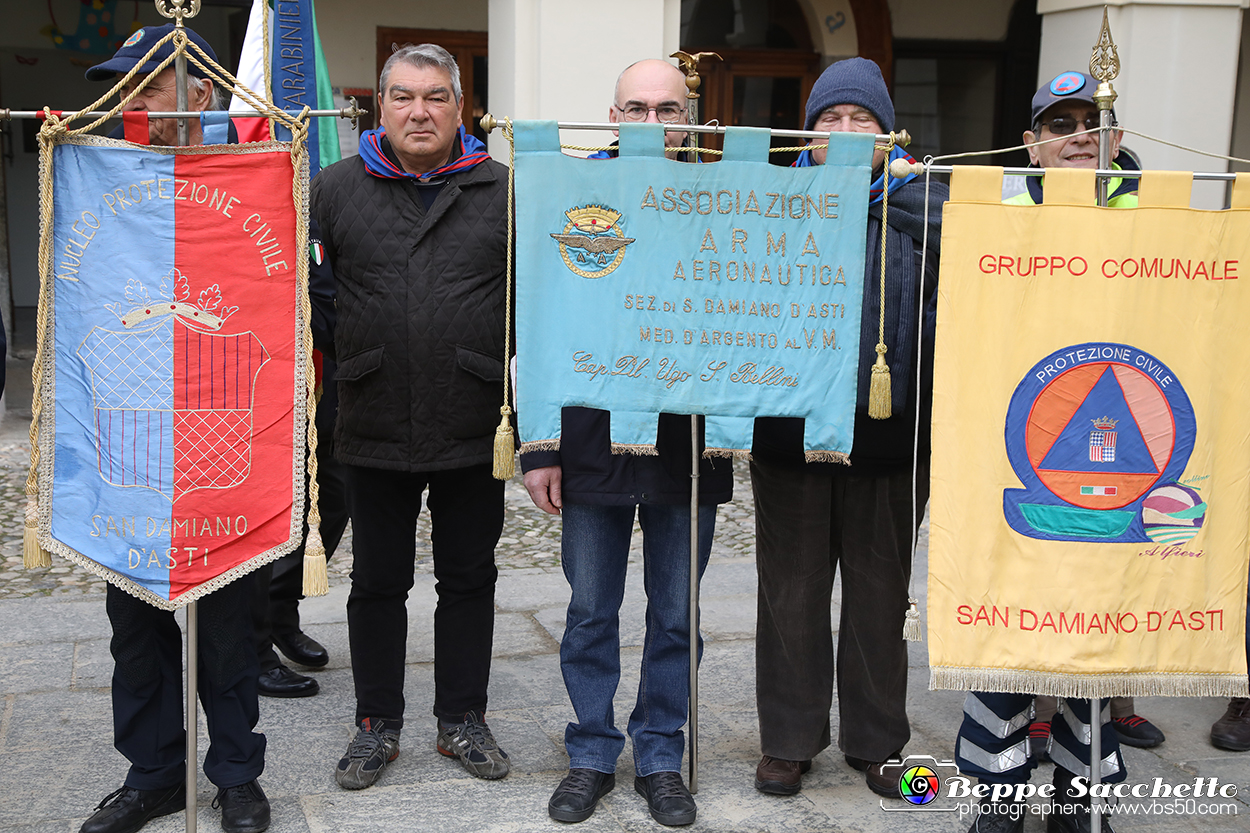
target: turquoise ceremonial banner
731 289
1089 527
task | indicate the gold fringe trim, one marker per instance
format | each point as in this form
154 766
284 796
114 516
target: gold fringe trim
505 454
911 623
818 456
540 445
735 453
639 450
1087 686
316 582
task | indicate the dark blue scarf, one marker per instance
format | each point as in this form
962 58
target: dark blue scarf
874 192
466 152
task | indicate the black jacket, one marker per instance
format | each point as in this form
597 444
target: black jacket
592 474
419 338
884 446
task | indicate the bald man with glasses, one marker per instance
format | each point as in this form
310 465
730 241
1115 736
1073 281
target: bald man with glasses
599 495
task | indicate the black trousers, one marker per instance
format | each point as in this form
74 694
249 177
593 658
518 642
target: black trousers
466 514
148 724
280 585
807 524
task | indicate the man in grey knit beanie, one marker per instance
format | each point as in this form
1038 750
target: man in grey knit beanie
854 81
813 519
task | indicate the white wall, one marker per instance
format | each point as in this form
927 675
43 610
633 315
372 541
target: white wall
348 30
559 59
1177 80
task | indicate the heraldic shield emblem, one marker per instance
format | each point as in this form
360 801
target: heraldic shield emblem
172 442
168 383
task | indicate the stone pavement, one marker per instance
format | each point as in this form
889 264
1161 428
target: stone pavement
57 760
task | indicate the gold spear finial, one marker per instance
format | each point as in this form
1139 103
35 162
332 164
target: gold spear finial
1104 65
690 66
177 10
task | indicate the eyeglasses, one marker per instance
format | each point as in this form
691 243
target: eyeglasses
666 113
1066 125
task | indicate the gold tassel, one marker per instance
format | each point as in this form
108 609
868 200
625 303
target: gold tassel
911 624
316 582
33 555
505 462
879 390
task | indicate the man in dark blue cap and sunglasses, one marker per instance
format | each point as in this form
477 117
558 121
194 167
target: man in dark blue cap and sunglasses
1064 106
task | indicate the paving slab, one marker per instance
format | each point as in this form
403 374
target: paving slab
55 670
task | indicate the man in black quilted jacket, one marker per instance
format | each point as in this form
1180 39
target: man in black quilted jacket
415 230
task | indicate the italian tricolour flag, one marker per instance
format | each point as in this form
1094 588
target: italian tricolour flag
298 75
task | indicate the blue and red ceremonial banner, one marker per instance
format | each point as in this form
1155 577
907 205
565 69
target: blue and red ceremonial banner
174 462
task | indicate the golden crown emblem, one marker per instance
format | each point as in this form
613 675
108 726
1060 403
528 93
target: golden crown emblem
593 219
1105 423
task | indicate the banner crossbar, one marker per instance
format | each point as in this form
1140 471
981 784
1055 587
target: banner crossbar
1202 176
345 113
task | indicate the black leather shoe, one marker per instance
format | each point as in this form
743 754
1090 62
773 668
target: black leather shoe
999 817
244 809
1232 731
667 797
128 809
283 682
579 793
302 649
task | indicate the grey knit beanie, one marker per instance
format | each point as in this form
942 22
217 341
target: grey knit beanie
853 81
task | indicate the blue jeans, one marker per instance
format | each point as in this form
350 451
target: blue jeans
595 552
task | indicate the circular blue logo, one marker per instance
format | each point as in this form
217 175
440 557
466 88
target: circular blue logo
133 39
1067 83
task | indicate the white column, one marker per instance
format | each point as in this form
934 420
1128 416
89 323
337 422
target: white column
559 59
1178 74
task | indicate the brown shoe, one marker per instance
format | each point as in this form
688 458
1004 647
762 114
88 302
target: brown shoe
1232 731
777 776
882 777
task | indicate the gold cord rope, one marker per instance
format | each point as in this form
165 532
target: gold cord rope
264 23
504 456
712 151
879 396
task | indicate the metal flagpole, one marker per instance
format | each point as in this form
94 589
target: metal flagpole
1104 65
690 64
174 9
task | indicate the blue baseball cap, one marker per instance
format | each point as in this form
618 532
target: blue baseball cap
138 45
1066 86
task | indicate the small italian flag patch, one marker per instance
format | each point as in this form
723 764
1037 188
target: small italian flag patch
316 251
1098 490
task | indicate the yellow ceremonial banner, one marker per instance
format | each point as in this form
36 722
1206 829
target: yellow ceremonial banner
1091 442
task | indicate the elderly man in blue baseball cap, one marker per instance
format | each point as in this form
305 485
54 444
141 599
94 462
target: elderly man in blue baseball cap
146 644
160 94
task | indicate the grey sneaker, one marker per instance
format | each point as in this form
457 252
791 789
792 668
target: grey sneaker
374 746
472 742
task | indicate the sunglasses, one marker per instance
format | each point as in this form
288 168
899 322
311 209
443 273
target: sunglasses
1066 125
